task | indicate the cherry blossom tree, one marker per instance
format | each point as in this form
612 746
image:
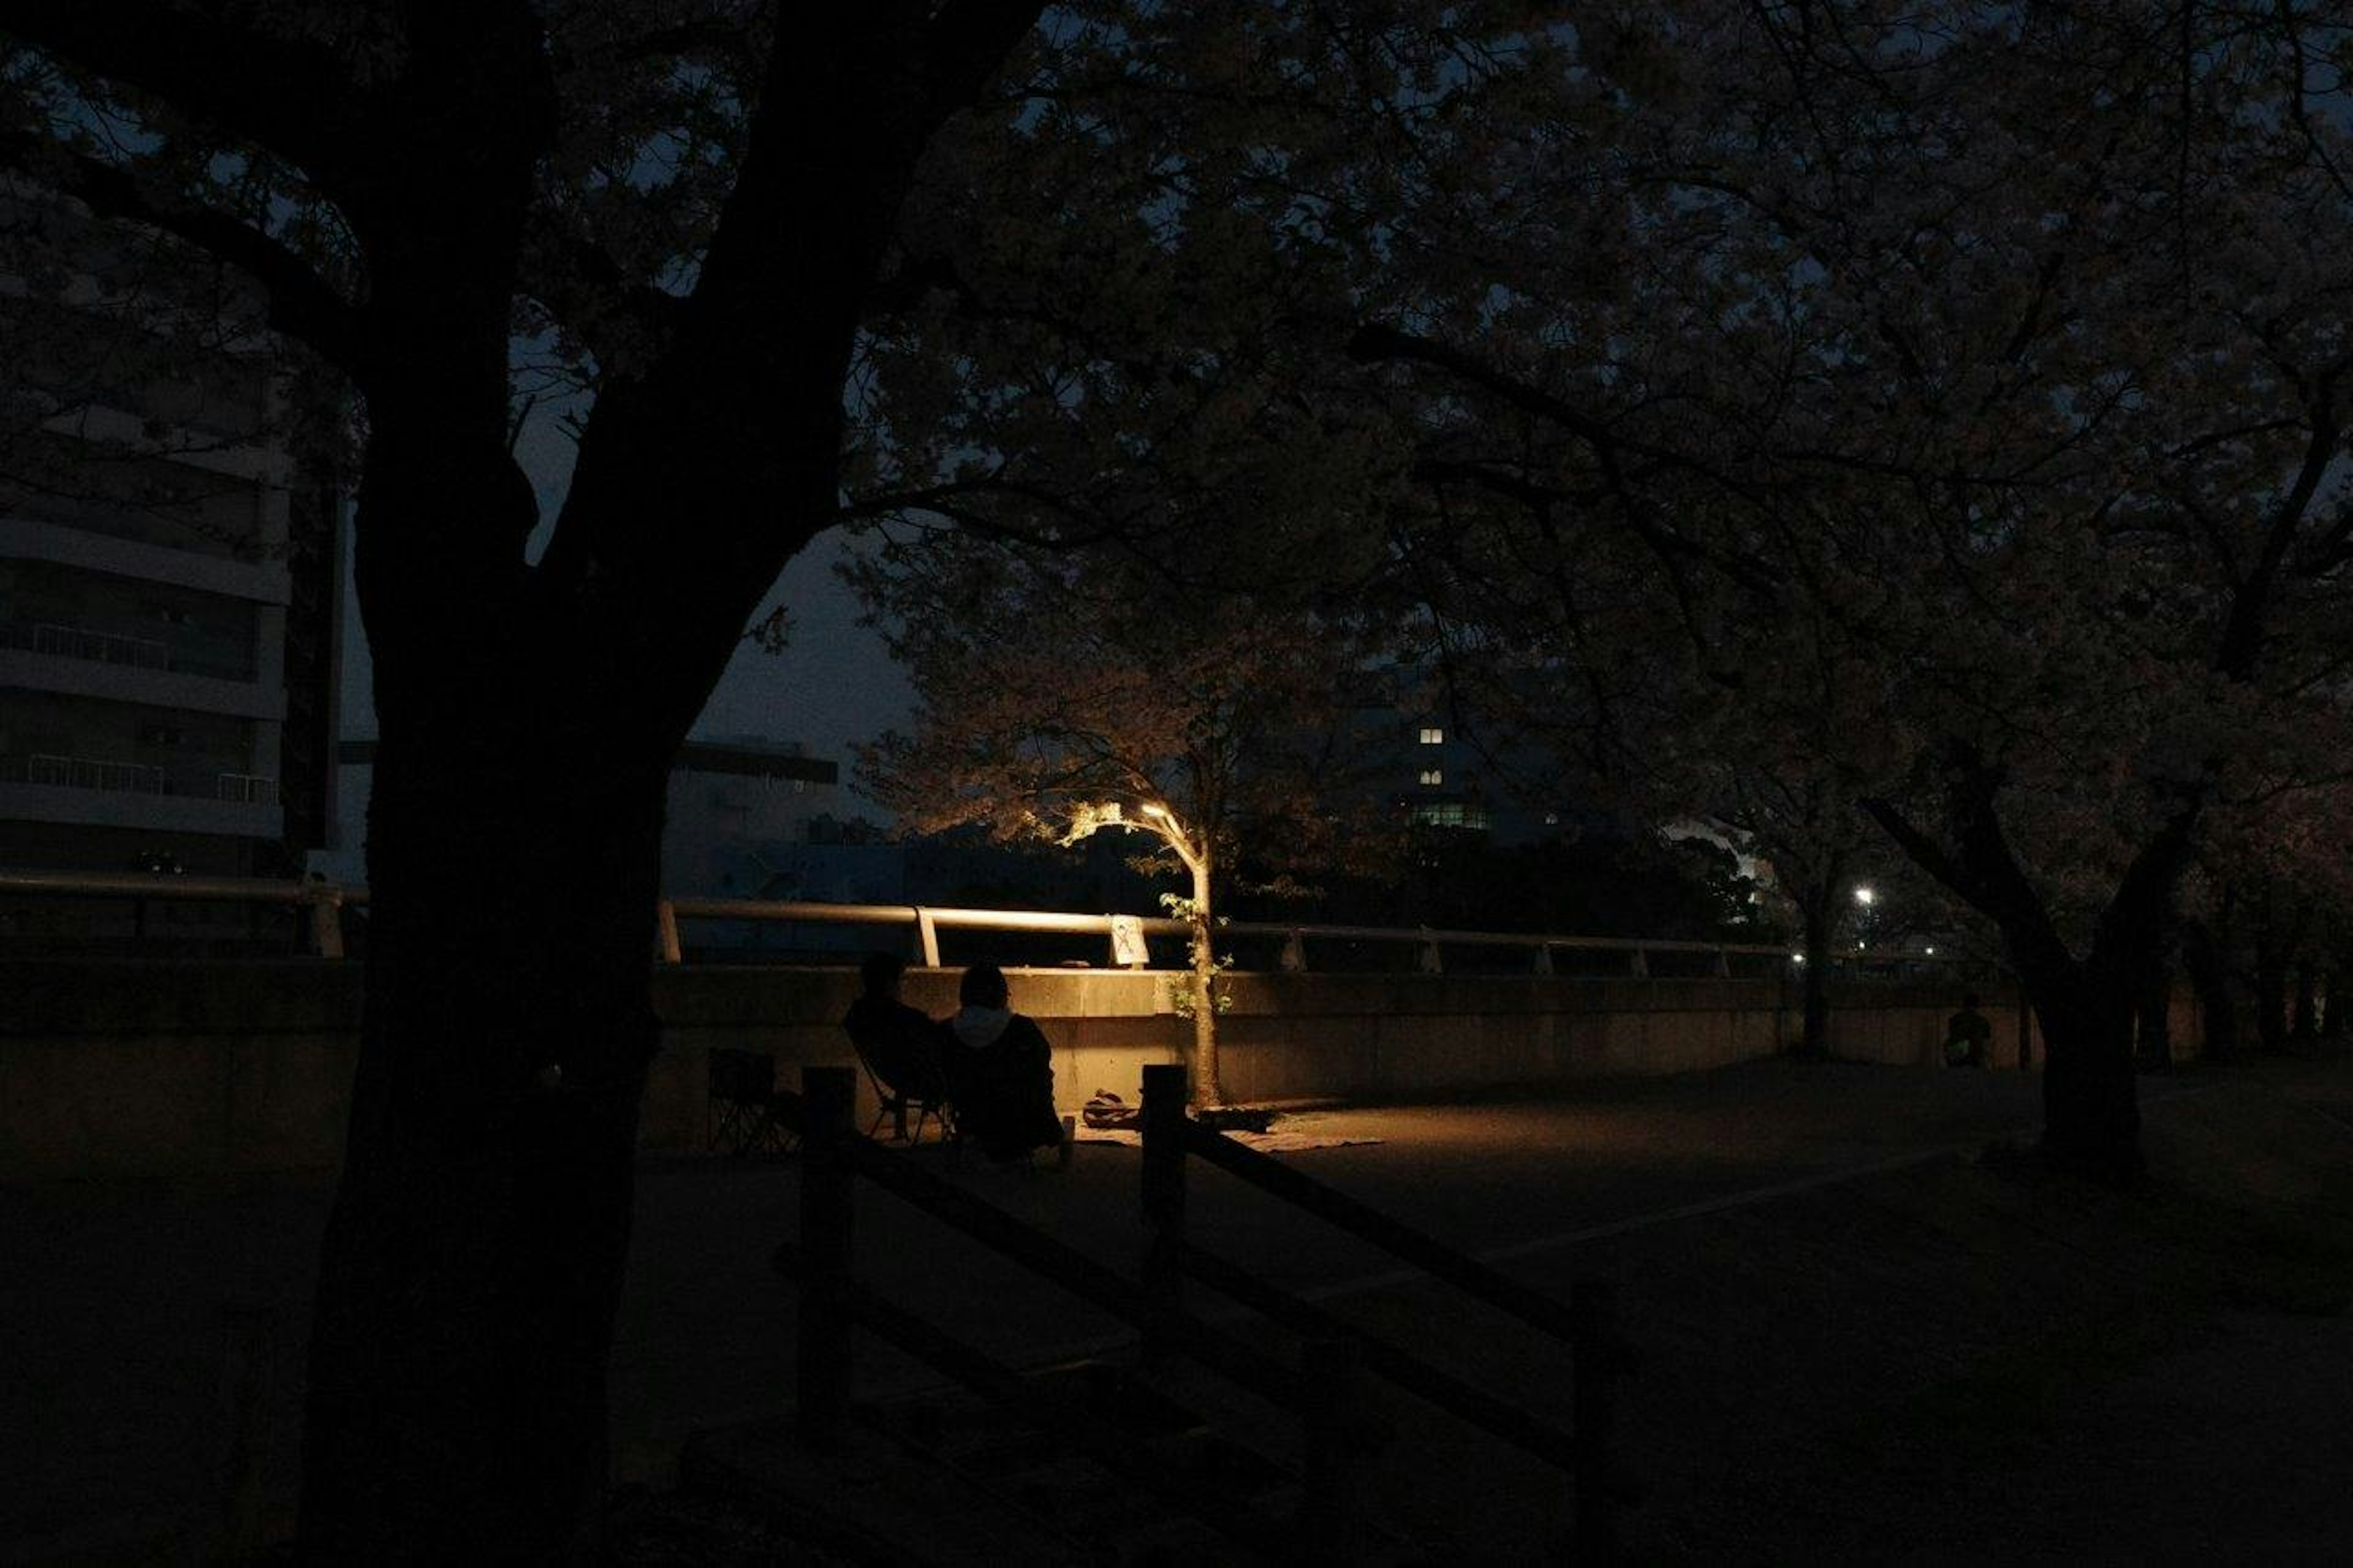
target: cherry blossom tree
691 207
697 215
1973 381
1060 695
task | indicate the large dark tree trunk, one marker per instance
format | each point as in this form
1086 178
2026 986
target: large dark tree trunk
2210 976
2271 994
2153 1016
1814 979
2307 1000
2086 1007
2091 1100
474 1256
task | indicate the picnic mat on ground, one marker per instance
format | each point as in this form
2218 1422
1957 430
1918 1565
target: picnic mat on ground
1286 1142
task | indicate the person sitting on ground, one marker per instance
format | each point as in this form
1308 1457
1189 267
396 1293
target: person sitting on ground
899 1044
1000 1070
1969 1035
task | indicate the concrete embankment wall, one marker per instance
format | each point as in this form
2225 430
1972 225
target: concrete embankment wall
149 1069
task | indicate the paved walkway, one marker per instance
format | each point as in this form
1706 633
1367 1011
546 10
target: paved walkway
112 1310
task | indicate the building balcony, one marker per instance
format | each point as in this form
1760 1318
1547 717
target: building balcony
29 537
76 662
61 639
101 792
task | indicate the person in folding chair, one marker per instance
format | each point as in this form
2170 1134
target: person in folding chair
1000 1070
899 1047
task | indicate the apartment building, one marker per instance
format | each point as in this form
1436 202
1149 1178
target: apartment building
167 574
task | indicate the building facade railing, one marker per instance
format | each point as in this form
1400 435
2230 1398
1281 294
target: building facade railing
94 773
62 641
56 639
252 789
137 778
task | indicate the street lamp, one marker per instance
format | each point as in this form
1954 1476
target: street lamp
1862 896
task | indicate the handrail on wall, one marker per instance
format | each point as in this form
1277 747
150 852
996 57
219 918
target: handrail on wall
326 900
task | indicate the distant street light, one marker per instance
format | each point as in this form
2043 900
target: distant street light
1866 897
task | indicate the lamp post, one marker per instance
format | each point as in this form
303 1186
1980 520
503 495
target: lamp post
1866 904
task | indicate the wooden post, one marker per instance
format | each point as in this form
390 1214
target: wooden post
1328 1505
927 939
1164 1190
825 1326
1592 1354
666 931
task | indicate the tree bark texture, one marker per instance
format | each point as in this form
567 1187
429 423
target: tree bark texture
475 1252
2088 1005
2153 1020
528 715
2202 960
2270 996
1207 1087
1814 981
2307 1000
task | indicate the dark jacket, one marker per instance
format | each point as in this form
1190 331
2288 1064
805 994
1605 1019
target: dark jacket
1000 1075
899 1045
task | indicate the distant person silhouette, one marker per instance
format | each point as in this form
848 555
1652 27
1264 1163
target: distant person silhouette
1000 1070
1969 1035
899 1044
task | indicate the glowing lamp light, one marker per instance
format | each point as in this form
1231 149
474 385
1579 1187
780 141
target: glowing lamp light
1797 958
1931 952
1866 897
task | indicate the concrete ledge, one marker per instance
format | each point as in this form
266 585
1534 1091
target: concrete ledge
127 1068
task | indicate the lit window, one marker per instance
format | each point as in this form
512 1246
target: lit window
1432 736
1433 775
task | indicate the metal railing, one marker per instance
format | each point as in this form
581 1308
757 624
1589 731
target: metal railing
325 900
62 641
143 778
924 922
93 773
249 789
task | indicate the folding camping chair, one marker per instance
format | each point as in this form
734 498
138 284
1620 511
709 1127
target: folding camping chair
926 1094
743 1112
